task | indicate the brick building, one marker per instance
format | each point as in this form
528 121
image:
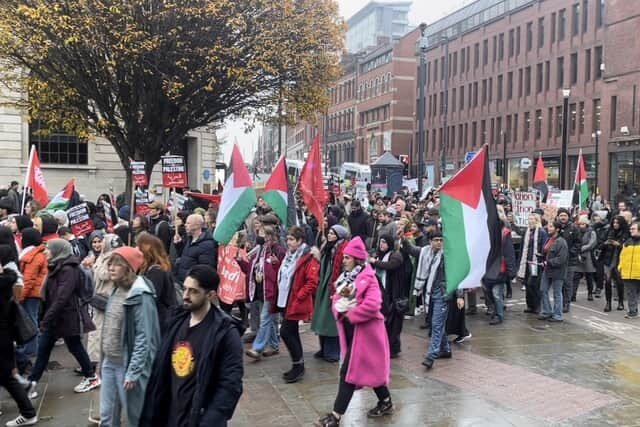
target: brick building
507 64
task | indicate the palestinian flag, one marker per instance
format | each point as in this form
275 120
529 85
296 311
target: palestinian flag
471 228
278 194
581 188
61 200
540 180
238 198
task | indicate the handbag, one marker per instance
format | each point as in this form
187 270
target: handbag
24 330
99 302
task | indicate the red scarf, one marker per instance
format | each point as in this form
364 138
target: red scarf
550 242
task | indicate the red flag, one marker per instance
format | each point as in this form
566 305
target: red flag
540 180
35 178
311 185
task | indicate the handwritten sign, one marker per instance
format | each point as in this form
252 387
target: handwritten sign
523 204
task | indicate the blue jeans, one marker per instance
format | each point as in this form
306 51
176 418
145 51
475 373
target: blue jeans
330 347
439 342
112 393
556 284
268 331
497 291
47 341
30 349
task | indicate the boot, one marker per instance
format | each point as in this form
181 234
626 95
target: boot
620 307
590 297
296 373
607 307
384 407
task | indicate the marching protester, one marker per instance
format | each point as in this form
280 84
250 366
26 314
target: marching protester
556 253
8 278
531 259
63 316
618 235
629 269
585 265
573 239
197 247
323 322
297 282
364 344
130 339
158 224
196 378
601 228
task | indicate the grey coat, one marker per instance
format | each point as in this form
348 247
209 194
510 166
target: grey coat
556 261
589 242
140 342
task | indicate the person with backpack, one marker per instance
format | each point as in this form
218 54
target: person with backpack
159 224
64 315
156 267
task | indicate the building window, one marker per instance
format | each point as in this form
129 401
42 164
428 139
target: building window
574 68
483 132
469 93
585 19
512 42
550 122
499 131
538 127
560 73
475 94
501 47
520 78
515 128
474 133
540 32
599 13
509 128
527 125
490 90
500 78
462 58
587 65
562 22
598 62
527 81
484 92
573 119
58 147
581 118
454 64
485 52
435 71
492 132
597 106
510 85
476 55
495 49
558 121
442 65
517 41
468 58
547 73
529 36
575 19
461 98
614 115
553 27
539 78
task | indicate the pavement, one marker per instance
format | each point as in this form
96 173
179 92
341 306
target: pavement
524 372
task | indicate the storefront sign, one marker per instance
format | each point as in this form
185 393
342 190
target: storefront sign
80 220
138 174
174 174
525 163
523 204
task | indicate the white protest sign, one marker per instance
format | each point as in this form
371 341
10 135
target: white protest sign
523 204
561 199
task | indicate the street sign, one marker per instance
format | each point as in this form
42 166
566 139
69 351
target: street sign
525 163
450 167
206 174
468 156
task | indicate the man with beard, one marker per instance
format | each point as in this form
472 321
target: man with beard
159 223
359 221
197 375
571 234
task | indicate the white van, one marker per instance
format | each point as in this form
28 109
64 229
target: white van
355 173
294 169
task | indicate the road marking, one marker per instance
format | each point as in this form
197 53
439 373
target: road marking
590 309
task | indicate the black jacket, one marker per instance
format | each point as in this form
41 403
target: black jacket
219 375
7 315
397 283
556 260
190 253
166 299
572 236
360 224
160 227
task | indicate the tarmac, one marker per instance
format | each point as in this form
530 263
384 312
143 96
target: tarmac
524 372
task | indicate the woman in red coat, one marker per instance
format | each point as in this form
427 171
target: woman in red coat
297 283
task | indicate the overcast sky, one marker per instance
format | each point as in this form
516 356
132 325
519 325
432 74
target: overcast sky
421 11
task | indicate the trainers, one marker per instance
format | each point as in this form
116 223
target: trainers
22 380
270 351
22 421
31 389
384 407
87 384
463 338
253 354
328 420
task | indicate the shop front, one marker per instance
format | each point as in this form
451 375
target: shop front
624 177
518 176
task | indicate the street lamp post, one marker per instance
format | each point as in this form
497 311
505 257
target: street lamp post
445 139
565 137
504 159
422 48
596 136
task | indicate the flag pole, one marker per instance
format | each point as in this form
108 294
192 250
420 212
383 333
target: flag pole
26 178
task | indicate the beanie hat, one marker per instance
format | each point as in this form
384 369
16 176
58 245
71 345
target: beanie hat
31 237
340 231
356 249
23 221
124 213
49 225
563 210
132 256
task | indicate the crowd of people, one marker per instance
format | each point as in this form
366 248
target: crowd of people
136 300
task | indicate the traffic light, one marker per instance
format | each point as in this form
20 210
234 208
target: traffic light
405 162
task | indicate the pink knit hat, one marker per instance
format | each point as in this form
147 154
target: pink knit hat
132 256
356 248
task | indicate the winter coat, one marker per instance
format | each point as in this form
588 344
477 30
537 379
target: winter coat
397 282
556 260
164 291
270 279
303 287
369 365
611 253
159 227
63 314
7 316
190 253
360 224
508 269
140 340
589 242
219 374
629 265
571 235
33 266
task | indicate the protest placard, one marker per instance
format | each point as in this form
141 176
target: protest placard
174 173
523 204
80 220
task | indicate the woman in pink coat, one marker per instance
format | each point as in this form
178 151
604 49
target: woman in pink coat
364 344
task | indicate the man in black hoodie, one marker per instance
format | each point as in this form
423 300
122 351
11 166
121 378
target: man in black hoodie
571 234
359 221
